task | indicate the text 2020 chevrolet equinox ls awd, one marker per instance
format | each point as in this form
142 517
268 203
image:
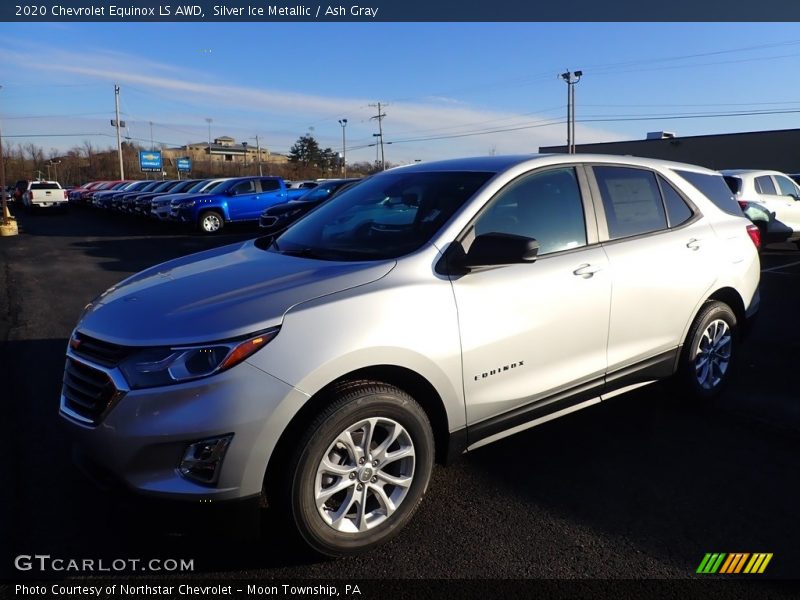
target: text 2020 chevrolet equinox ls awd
429 310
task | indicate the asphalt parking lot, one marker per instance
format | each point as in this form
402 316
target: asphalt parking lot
641 486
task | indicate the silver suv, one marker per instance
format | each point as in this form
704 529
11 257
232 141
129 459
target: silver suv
428 311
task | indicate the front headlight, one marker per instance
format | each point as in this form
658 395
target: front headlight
168 365
187 204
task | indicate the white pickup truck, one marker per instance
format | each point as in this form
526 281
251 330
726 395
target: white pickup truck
45 194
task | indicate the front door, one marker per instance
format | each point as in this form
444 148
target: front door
531 331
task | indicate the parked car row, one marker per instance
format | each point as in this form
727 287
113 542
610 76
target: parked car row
209 204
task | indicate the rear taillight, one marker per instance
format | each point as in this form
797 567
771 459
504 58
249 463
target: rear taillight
742 204
65 195
755 235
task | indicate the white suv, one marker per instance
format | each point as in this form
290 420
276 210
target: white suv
774 191
425 312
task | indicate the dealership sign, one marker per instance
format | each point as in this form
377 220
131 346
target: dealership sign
184 164
150 160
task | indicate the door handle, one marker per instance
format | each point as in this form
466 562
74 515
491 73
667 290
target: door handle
586 270
693 244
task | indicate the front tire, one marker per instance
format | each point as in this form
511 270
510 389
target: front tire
361 469
709 352
210 222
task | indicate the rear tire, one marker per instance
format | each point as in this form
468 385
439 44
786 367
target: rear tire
210 221
360 469
709 352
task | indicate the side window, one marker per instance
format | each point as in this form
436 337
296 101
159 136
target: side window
678 212
631 200
546 206
786 186
244 187
764 185
270 185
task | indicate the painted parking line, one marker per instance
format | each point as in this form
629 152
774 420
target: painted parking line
780 267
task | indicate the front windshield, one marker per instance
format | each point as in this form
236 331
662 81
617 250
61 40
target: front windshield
149 187
387 216
182 186
198 185
215 187
318 193
165 186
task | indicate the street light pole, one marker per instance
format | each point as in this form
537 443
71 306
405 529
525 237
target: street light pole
244 145
258 157
343 123
118 125
208 120
3 180
571 79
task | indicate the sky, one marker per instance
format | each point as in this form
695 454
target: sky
447 89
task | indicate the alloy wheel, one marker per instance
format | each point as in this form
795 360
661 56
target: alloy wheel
713 355
364 475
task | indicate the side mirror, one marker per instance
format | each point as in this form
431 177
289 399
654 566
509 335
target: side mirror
230 192
496 249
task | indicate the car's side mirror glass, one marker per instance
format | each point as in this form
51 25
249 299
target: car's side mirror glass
496 249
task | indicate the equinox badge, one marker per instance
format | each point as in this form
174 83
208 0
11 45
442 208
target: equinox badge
487 374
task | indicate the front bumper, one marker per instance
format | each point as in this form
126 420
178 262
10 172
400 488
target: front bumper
141 440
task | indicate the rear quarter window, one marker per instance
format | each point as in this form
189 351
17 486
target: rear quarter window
734 183
715 189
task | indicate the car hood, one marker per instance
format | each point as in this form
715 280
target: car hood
215 295
181 198
178 196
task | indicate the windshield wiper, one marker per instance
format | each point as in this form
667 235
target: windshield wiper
301 252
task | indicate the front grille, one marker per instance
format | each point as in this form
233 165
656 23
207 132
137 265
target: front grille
103 353
87 392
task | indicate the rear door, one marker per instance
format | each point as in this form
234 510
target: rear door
661 256
787 203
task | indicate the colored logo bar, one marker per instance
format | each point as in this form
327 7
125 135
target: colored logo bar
736 562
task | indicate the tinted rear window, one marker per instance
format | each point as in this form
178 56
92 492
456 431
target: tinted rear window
715 189
734 183
45 186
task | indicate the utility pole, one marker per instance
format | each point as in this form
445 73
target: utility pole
116 124
343 123
571 79
258 157
380 117
152 145
244 145
208 120
4 216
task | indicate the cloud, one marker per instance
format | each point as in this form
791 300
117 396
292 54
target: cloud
435 127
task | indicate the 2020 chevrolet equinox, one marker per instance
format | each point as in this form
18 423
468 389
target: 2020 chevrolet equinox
428 311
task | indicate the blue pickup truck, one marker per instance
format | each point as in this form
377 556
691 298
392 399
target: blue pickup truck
235 200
